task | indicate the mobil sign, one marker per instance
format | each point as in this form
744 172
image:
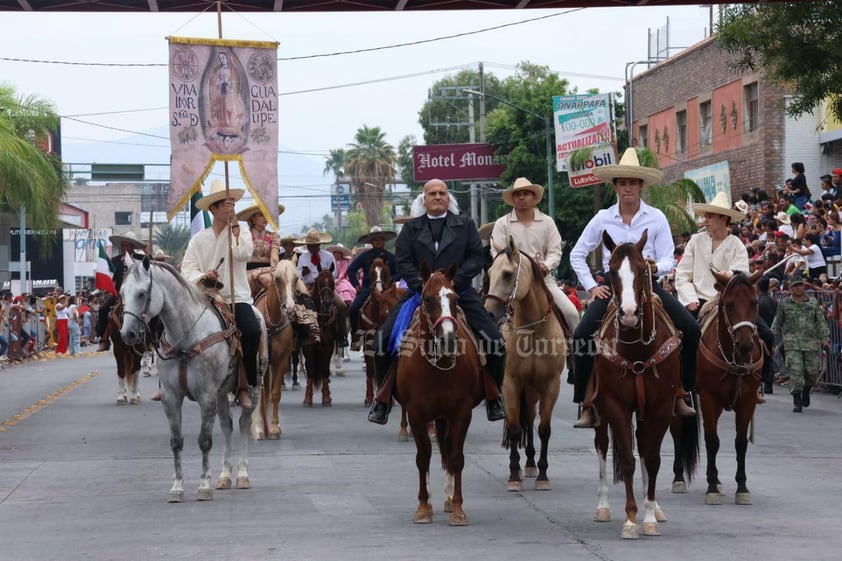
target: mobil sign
583 176
456 162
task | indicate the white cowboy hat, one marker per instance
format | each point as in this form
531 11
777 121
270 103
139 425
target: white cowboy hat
129 238
246 214
377 231
522 184
217 193
742 206
719 205
313 236
782 218
485 231
629 166
346 252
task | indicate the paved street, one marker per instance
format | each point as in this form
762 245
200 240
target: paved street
82 478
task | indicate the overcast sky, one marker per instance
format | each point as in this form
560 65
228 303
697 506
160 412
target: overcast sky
324 100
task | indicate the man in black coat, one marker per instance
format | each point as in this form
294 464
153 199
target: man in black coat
441 238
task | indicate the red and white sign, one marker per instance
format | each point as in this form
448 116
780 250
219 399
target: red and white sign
583 176
456 162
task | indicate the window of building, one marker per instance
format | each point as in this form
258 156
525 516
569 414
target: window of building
752 107
681 132
705 124
643 136
122 218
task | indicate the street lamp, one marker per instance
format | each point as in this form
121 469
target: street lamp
550 151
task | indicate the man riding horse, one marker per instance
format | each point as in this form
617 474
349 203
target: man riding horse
377 238
130 247
314 260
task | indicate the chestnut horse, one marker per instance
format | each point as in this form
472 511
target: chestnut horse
372 315
637 371
729 361
276 305
536 354
438 379
317 356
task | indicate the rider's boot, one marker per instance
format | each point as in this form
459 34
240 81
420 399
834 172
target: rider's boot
379 412
104 341
493 380
588 419
682 408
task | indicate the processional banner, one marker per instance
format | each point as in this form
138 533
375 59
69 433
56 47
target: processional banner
223 107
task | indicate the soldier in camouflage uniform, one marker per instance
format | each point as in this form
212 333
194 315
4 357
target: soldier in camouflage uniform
803 324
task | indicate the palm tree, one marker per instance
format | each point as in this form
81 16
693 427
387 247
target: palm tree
370 163
173 240
29 178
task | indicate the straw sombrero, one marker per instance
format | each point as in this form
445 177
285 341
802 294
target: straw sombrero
522 184
246 214
286 238
313 236
719 205
217 193
129 238
783 218
629 166
377 231
742 206
485 231
346 252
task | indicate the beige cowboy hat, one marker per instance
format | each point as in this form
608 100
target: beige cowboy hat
719 205
246 214
377 231
485 231
313 236
629 166
286 238
345 251
522 184
129 238
782 218
217 193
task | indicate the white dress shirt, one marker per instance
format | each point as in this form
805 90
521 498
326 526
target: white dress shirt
305 260
659 245
206 250
693 279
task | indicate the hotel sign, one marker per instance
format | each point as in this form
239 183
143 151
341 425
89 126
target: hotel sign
456 162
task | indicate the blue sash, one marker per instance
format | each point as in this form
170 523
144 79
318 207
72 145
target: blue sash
402 322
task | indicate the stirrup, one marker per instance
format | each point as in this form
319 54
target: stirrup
587 420
682 409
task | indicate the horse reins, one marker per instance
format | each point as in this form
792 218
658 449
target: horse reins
644 299
507 303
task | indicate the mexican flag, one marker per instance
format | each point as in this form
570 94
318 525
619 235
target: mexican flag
199 219
104 270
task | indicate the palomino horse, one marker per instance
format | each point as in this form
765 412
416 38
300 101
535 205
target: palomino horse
535 359
438 379
128 359
317 357
276 305
730 358
637 371
198 362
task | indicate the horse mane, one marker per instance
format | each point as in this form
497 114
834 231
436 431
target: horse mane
285 271
536 272
192 289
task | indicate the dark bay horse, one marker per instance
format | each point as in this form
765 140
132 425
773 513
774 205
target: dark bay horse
730 359
438 379
127 357
317 356
637 371
372 315
536 356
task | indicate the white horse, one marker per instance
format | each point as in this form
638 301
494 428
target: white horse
196 363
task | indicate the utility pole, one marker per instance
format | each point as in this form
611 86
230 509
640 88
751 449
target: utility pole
472 139
483 192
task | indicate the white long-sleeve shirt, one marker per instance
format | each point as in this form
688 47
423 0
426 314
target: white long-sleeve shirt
659 245
693 279
305 260
204 253
539 237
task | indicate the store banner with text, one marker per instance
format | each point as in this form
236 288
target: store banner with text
580 121
456 162
583 176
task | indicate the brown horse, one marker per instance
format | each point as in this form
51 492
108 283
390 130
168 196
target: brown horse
534 361
636 373
127 357
438 379
276 305
317 356
730 359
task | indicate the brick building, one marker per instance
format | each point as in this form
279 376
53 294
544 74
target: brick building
693 111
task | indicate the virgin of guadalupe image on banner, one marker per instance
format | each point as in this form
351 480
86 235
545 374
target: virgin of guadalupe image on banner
224 107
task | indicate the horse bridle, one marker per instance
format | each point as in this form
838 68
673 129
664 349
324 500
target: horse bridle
732 330
643 300
432 325
507 303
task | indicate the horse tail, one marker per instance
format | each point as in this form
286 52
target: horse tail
525 424
688 450
441 427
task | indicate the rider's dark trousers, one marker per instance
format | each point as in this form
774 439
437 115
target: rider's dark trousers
249 328
102 315
356 305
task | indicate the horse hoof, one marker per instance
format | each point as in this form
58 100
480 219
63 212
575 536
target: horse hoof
223 483
274 436
719 488
679 487
423 515
458 519
713 499
651 529
448 504
367 403
603 514
742 498
327 403
660 516
542 485
340 373
243 482
631 531
176 497
296 386
204 495
530 472
122 400
134 401
403 436
515 486
307 404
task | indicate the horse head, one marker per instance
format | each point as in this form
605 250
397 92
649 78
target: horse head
325 288
507 280
630 278
285 278
379 275
438 307
141 301
738 313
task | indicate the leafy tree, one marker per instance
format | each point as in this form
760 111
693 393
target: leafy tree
405 162
173 240
28 177
795 44
370 163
